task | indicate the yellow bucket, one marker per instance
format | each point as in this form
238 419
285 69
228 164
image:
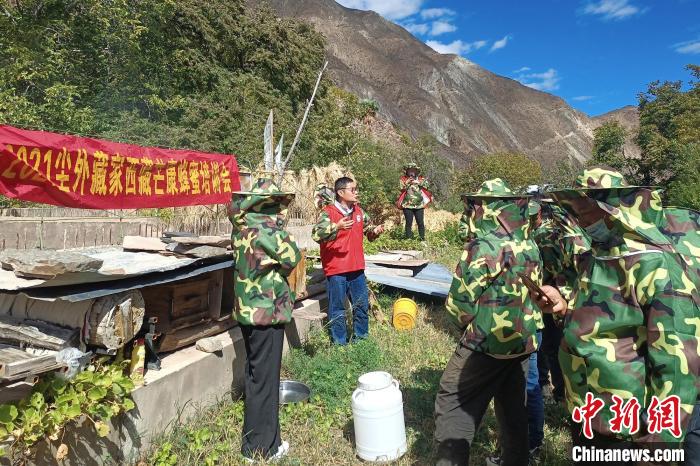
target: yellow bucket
405 311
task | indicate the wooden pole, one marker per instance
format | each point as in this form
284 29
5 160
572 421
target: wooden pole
303 122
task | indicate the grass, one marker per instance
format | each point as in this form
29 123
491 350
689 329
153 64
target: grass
321 432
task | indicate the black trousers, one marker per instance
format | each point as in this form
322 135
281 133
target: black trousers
548 357
261 427
471 379
418 214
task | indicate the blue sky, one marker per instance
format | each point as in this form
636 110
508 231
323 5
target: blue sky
596 54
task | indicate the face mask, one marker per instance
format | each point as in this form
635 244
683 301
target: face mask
598 231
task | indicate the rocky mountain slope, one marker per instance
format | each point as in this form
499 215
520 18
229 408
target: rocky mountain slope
467 108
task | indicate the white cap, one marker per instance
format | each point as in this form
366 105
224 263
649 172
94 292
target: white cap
375 380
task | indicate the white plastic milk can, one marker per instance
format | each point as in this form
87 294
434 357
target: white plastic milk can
377 411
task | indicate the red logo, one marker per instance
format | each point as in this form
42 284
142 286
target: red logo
662 415
626 415
665 415
587 412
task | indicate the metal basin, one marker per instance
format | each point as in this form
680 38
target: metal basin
292 391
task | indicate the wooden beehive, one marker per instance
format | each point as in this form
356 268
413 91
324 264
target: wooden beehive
184 303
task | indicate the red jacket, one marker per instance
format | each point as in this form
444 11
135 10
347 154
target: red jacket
345 253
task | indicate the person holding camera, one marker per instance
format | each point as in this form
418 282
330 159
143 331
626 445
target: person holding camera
414 198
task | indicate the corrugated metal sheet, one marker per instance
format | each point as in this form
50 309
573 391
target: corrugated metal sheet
74 293
432 280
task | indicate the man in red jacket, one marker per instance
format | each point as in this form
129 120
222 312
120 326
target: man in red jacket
340 231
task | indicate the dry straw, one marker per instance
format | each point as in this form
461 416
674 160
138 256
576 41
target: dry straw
203 219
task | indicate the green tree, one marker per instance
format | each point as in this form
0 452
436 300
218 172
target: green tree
684 189
669 120
518 170
608 145
560 174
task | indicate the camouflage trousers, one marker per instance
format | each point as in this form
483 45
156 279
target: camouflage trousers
470 381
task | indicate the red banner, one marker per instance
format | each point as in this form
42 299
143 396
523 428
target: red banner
88 173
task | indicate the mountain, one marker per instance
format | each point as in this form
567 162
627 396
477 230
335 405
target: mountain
467 108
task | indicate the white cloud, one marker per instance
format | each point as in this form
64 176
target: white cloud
441 27
390 9
457 47
420 28
547 81
689 47
522 70
582 98
499 44
613 9
432 13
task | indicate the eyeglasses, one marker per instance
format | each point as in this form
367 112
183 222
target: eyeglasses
352 190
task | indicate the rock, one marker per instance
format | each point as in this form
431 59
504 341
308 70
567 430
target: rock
201 252
142 243
209 345
216 241
171 234
47 264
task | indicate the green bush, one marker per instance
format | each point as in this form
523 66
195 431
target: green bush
332 371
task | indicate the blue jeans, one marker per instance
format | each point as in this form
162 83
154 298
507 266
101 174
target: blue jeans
338 287
535 402
692 438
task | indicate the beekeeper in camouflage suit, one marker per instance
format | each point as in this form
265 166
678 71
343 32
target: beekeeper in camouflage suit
264 256
413 199
488 300
633 324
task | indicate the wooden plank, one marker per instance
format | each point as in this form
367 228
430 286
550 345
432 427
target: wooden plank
297 278
395 272
407 263
312 290
11 354
15 363
189 335
36 333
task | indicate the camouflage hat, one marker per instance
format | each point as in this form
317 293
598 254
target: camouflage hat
495 188
411 166
323 195
263 193
265 187
601 177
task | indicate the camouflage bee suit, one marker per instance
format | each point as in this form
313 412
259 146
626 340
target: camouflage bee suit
487 297
682 227
633 327
264 254
488 300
